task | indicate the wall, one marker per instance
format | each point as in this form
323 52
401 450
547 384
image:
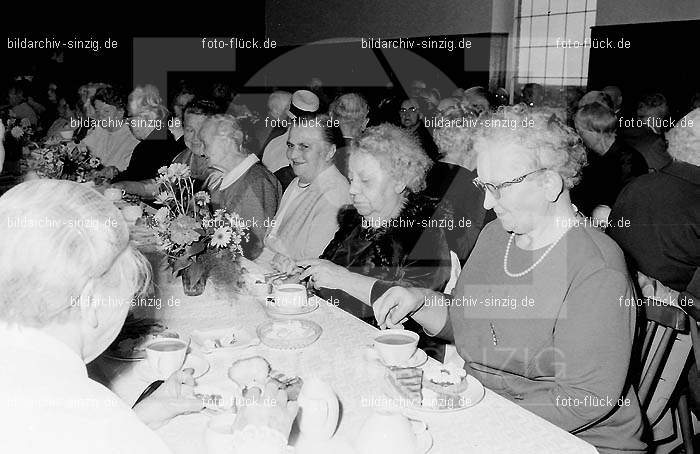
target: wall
614 12
297 22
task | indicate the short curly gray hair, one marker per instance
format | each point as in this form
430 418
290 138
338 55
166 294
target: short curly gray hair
399 153
456 144
226 125
549 142
146 101
684 139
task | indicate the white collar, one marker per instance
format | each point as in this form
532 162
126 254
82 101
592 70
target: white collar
238 171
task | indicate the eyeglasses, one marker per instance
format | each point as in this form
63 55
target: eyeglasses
404 110
495 189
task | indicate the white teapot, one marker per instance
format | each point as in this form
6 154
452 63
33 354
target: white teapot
318 410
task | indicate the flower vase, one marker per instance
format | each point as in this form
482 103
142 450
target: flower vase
191 284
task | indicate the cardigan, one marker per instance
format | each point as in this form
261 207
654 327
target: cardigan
308 220
558 340
255 197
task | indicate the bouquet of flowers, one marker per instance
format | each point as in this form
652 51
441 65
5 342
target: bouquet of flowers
20 130
187 232
60 160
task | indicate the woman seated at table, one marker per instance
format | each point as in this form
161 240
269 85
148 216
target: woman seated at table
450 180
385 237
67 287
244 186
111 139
194 115
157 147
307 217
536 312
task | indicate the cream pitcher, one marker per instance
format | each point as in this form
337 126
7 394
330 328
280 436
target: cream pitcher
318 410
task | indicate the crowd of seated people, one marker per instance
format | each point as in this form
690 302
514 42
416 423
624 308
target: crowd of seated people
377 210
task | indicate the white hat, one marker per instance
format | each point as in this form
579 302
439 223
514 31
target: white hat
303 101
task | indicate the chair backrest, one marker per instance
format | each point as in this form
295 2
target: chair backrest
663 323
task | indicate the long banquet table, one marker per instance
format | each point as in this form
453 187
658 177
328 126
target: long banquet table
495 425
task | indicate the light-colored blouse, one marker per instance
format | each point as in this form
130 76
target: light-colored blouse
307 217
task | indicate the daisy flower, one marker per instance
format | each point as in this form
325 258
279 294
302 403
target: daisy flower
163 197
17 132
202 198
221 237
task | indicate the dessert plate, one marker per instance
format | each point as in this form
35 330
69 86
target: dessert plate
289 334
223 339
471 396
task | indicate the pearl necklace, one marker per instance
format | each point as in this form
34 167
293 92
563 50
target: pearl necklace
532 267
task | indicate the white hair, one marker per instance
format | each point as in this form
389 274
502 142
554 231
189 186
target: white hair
59 241
684 139
226 125
146 101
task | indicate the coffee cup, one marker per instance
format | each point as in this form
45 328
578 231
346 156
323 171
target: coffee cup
390 433
290 297
132 212
114 194
166 355
396 346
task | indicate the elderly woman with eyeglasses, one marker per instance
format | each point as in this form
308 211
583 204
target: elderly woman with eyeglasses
537 312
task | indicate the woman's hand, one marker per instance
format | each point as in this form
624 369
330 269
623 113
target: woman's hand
396 304
282 263
267 409
324 273
108 172
172 398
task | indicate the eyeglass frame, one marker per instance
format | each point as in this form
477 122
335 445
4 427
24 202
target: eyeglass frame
495 189
408 109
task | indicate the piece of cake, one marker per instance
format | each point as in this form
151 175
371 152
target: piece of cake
443 386
250 371
407 381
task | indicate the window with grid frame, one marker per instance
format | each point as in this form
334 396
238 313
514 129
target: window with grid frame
552 48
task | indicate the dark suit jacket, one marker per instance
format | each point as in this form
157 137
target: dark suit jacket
656 222
605 176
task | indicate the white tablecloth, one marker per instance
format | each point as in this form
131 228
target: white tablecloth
495 425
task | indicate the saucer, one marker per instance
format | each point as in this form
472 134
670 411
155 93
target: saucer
418 359
198 363
273 309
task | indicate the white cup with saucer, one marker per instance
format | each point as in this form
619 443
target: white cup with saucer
165 356
396 346
290 297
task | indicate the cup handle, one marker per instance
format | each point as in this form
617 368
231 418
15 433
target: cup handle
422 426
123 192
